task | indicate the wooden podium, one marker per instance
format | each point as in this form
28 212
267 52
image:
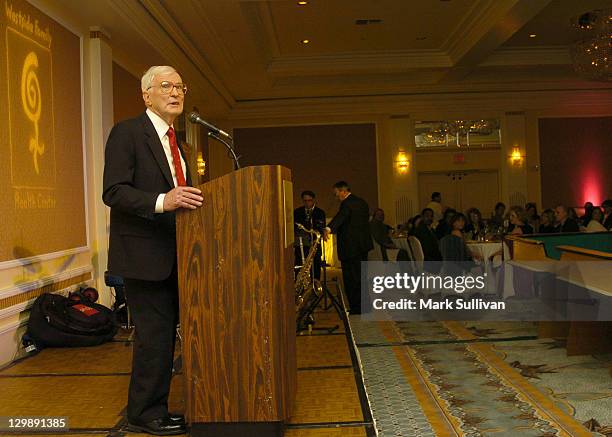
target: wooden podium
237 304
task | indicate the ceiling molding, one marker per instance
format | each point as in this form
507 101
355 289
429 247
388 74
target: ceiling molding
374 62
166 50
478 20
161 15
494 25
211 37
258 17
518 56
417 82
569 101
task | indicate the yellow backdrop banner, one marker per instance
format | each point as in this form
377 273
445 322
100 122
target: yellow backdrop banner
42 205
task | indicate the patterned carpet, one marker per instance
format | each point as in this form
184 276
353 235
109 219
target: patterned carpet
480 379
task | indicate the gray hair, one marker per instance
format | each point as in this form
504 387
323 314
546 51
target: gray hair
147 78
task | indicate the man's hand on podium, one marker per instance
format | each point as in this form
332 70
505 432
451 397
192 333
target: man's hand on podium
183 197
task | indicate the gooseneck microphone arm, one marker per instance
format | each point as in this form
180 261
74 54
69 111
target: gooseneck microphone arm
217 134
229 146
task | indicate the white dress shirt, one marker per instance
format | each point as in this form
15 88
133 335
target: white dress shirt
161 127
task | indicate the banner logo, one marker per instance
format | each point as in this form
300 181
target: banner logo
31 116
31 99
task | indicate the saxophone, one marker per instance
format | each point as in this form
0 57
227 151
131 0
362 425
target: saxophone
307 289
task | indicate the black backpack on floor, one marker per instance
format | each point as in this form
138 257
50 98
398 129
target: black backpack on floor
58 321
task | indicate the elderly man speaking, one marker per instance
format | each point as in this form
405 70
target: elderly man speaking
145 182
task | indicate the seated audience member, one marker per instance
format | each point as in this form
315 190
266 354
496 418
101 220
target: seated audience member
498 216
547 222
443 227
565 223
456 256
475 225
533 219
410 226
588 212
595 223
518 222
436 206
425 234
452 246
607 207
380 232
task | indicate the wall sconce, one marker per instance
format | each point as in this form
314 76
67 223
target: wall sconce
201 164
516 158
401 162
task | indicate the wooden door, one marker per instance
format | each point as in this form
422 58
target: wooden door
461 190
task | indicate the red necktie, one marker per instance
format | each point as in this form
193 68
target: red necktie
176 158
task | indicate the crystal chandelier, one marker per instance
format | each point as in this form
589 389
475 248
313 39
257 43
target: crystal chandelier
592 54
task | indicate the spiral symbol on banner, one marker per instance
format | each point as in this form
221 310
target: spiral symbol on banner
32 104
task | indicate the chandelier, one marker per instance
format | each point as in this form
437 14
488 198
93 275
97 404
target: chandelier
592 54
464 127
462 132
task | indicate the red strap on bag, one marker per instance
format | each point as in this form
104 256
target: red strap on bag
88 311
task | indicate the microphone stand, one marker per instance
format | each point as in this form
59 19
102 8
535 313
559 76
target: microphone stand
229 146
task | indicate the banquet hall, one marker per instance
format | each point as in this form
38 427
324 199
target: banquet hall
337 150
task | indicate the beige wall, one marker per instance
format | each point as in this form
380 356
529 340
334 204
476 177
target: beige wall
127 96
318 157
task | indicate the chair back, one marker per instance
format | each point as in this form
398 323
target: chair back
376 253
417 251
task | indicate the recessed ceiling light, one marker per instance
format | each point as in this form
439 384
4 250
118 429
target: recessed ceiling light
305 41
532 35
302 2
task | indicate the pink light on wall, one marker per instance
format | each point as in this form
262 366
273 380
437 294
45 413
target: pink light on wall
575 155
592 191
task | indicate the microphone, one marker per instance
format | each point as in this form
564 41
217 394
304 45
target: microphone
194 117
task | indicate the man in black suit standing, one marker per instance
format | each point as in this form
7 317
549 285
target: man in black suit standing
145 182
351 224
311 217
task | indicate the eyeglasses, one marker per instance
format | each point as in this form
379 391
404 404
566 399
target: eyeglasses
166 87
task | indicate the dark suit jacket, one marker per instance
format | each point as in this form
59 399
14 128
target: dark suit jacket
608 222
429 242
351 224
570 225
142 244
317 218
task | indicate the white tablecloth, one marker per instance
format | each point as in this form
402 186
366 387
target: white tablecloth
484 250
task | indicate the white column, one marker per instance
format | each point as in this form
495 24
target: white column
101 118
